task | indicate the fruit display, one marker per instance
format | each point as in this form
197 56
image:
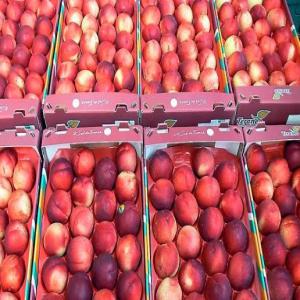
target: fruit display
27 29
19 174
91 244
200 240
258 42
179 53
274 169
97 51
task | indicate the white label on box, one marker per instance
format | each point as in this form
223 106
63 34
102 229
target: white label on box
293 120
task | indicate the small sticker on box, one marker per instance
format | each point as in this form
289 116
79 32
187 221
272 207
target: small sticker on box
293 120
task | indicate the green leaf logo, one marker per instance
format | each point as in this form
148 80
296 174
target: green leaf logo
262 114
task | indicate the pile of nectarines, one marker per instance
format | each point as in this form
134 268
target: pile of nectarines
26 29
17 180
258 43
275 188
92 230
199 238
97 47
178 47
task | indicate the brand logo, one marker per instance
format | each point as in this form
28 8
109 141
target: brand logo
260 116
294 131
170 123
73 123
278 93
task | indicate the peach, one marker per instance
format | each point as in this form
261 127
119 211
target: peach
267 45
105 205
200 7
84 162
123 59
170 62
204 40
297 293
262 28
3 222
151 15
293 264
12 273
124 23
21 55
108 14
5 192
187 50
104 272
151 32
105 174
169 288
152 51
262 187
47 8
188 242
231 205
105 71
104 294
246 294
214 257
258 71
124 6
249 37
124 79
72 31
202 23
107 33
287 51
217 288
229 27
106 51
54 274
65 86
61 174
79 286
282 35
256 159
19 206
285 199
274 250
152 71
290 231
82 191
152 87
166 7
207 192
195 295
90 7
127 219
162 194
89 22
207 59
186 209
5 66
253 53
67 70
273 62
81 221
8 161
9 296
168 42
74 15
211 224
184 13
183 179
164 226
59 206
56 239
14 10
241 78
126 188
41 45
16 238
232 44
235 237
88 62
270 4
291 71
7 45
128 253
203 162
24 169
185 32
277 18
104 237
25 36
268 216
160 165
129 286
13 92
240 5
90 41
209 79
279 171
227 175
292 154
245 21
124 40
79 254
189 70
258 12
280 284
192 276
9 27
226 12
241 271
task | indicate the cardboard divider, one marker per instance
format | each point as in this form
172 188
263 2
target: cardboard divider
27 112
226 143
25 143
91 108
103 141
187 108
272 138
272 104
